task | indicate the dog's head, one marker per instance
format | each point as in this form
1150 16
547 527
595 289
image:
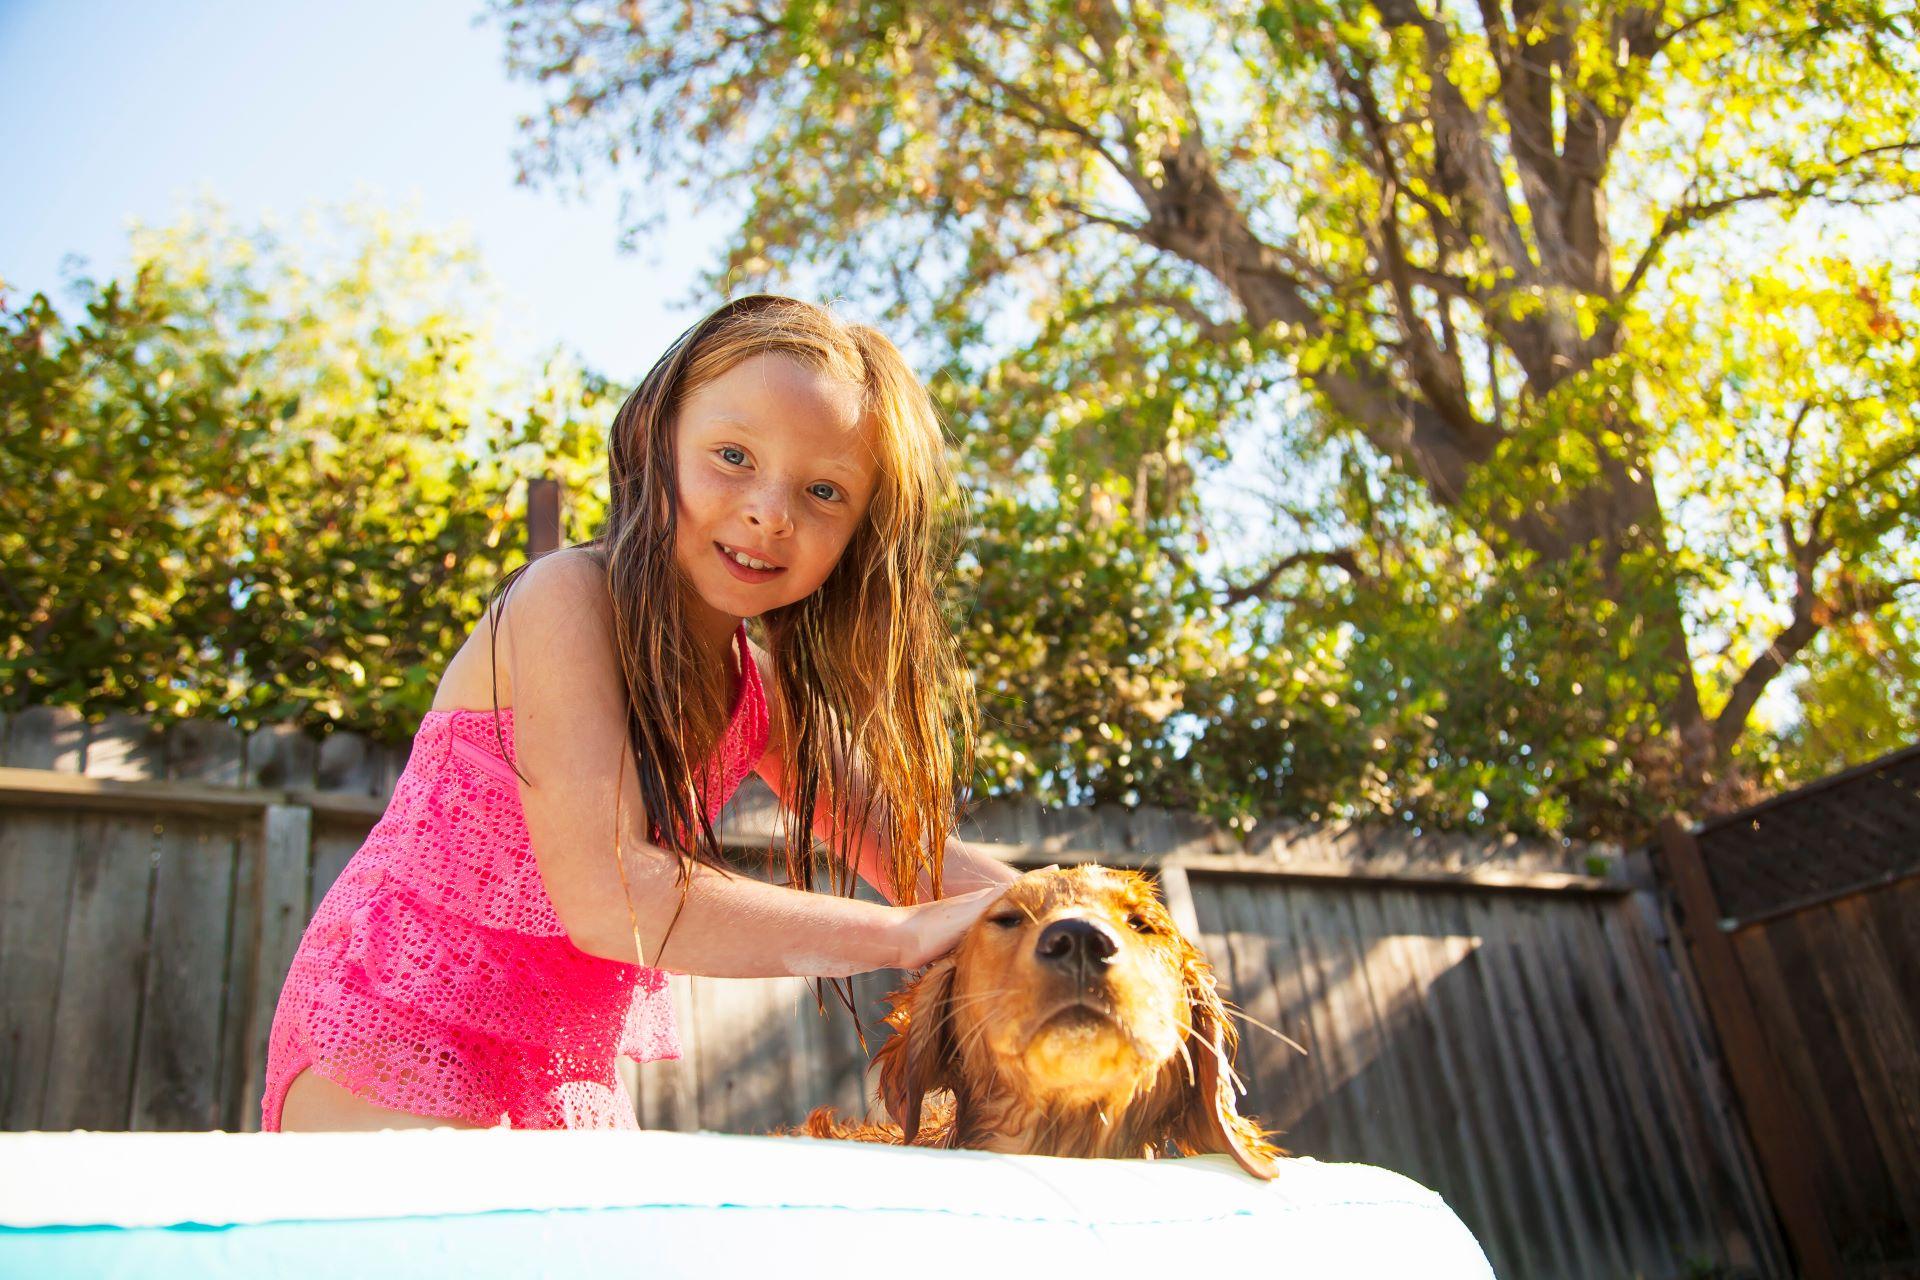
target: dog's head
1073 1019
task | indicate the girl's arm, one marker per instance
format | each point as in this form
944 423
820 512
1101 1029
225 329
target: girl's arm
569 714
964 869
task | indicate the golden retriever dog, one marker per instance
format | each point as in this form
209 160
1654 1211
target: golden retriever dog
1074 1019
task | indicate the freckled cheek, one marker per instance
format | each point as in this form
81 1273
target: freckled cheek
823 549
706 497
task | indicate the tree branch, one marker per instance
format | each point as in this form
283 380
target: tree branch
1341 558
1684 217
1810 615
1464 161
1439 377
1045 116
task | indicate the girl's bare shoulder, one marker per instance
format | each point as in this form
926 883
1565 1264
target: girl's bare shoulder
561 594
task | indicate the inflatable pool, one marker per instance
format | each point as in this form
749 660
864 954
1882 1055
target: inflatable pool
451 1203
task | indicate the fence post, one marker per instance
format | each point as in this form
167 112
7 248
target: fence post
543 516
280 909
1773 1124
1176 890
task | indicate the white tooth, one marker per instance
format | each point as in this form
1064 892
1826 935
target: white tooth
745 559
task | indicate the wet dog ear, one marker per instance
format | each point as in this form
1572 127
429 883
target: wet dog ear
919 1057
1209 1122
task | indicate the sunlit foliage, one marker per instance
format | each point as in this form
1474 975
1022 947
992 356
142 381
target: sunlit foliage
268 479
1463 411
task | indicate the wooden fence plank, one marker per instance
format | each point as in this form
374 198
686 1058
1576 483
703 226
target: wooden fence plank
36 880
670 1088
727 1019
206 751
46 738
1656 1195
708 1018
1411 1052
346 762
1345 1107
1679 1054
1486 1205
804 1048
706 1106
126 746
334 845
1896 921
1774 1124
1545 1067
177 1067
730 1010
870 993
278 907
1514 1041
243 979
1880 1044
1366 1007
761 1012
1297 1075
841 1062
1842 1182
102 975
827 1033
1243 976
1563 1010
1489 1095
280 755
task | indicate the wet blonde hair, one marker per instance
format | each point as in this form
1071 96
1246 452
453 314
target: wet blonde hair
867 668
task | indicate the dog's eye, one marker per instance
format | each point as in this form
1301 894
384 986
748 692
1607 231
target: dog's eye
1006 921
1140 924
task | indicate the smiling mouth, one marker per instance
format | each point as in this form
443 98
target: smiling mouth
747 567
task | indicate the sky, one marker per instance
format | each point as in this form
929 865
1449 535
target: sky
117 113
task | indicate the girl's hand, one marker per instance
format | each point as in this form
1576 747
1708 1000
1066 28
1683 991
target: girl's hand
927 931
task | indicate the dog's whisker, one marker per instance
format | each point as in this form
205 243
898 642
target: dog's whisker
974 998
1282 1036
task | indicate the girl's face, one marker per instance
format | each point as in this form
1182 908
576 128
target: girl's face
775 474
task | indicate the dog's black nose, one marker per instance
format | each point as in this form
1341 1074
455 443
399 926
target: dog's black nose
1074 942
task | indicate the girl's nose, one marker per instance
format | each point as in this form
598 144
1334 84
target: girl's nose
771 513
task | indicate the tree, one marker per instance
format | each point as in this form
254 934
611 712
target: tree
1434 257
268 482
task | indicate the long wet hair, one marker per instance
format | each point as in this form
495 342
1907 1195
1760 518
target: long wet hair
866 667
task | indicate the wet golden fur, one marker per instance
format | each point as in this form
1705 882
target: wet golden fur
1036 1047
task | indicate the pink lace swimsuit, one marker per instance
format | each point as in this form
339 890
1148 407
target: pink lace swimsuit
436 978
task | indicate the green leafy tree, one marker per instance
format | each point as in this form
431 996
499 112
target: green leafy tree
1503 302
268 482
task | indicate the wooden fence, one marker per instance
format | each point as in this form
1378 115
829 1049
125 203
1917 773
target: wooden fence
1804 916
1481 1015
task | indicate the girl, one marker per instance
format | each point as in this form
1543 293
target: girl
548 855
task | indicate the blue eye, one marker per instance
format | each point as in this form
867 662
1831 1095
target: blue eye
733 454
824 491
